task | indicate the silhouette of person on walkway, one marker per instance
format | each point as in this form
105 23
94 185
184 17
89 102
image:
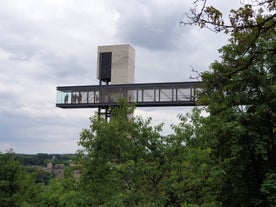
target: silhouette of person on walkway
79 97
74 98
66 99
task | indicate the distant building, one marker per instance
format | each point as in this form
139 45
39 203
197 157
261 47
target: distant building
56 170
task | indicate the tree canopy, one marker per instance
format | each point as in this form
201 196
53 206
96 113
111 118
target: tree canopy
240 91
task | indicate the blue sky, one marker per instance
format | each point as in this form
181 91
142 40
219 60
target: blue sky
49 43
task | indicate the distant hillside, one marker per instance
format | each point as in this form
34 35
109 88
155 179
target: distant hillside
41 159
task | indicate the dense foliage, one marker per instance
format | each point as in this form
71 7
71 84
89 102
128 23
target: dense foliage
227 158
240 91
9 180
127 162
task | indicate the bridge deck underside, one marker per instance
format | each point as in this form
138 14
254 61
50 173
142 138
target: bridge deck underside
143 95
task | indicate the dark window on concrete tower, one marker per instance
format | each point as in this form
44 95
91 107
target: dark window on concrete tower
105 66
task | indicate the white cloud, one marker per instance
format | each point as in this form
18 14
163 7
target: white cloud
150 24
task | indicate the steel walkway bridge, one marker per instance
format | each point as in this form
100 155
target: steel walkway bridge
142 94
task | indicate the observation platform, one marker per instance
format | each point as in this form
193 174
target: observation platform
141 94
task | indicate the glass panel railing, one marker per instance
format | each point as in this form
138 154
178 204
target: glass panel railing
149 95
184 94
63 97
131 95
165 95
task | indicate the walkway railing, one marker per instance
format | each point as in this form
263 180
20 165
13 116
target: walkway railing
143 95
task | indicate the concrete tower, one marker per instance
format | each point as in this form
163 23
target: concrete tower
116 64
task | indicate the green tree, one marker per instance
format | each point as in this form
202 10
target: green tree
240 91
9 179
127 162
60 193
30 191
195 176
